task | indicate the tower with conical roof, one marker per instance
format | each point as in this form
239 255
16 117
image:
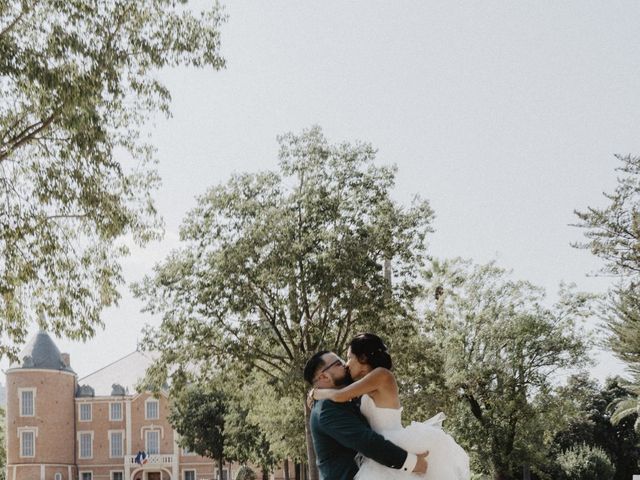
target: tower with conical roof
41 413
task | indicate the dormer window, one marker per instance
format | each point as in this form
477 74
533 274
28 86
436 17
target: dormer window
152 409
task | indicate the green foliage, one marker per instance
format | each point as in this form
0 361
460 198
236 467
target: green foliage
418 365
500 346
584 462
277 265
77 81
613 234
277 415
623 321
245 434
627 408
216 416
594 427
246 473
198 415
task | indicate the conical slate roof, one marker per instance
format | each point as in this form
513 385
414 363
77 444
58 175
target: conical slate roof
42 353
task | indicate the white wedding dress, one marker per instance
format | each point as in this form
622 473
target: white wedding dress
447 460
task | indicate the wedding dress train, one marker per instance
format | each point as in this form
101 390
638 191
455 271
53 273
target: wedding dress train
447 460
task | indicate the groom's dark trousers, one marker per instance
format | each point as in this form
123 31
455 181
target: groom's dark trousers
339 431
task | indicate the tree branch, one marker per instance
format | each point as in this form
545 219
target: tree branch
13 23
26 135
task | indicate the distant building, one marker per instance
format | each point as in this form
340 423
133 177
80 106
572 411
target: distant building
95 428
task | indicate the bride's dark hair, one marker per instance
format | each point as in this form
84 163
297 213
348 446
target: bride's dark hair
370 349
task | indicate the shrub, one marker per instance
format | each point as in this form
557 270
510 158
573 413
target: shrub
245 473
584 462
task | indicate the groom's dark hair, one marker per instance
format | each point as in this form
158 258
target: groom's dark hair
312 366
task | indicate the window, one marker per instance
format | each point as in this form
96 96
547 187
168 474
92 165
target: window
57 476
117 475
86 476
115 444
225 474
151 409
27 402
85 412
189 475
153 442
27 443
115 411
85 440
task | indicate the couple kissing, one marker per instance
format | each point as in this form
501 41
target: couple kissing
356 423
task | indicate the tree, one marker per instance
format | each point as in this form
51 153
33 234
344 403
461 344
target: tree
500 346
623 321
198 415
277 416
214 419
77 81
613 234
628 408
418 366
593 427
247 441
277 265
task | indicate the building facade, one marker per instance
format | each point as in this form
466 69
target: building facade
98 427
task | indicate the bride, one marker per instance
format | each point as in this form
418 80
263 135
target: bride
369 364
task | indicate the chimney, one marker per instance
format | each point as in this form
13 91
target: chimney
66 359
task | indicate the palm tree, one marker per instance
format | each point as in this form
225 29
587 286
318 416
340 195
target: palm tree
626 406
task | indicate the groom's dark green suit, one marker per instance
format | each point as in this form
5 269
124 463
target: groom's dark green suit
339 431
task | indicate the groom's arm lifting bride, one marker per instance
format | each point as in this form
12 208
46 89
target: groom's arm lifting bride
339 430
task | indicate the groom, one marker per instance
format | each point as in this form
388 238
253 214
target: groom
339 430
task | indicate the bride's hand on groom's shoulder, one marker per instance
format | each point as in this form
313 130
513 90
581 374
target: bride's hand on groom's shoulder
310 398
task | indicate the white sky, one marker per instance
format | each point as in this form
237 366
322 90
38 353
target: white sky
504 115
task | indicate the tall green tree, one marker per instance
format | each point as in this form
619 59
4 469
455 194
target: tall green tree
624 324
78 80
278 417
500 346
247 439
198 415
613 234
277 265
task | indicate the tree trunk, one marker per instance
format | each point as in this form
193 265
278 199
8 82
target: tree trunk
526 472
220 466
265 474
311 454
285 469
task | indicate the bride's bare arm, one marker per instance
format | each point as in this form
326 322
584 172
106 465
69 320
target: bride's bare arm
377 379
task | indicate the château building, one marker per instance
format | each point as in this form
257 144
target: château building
60 427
